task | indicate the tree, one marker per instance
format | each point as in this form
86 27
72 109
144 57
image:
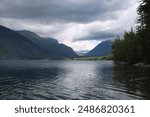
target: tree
143 28
126 49
118 49
134 47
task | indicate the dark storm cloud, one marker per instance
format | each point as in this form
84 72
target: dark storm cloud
70 21
62 10
103 35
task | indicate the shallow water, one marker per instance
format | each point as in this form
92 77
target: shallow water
68 79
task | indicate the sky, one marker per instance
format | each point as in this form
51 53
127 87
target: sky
80 24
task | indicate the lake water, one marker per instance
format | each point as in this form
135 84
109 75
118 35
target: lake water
69 79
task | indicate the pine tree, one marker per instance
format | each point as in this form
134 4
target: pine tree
126 49
144 28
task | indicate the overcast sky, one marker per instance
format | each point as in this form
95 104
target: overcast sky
80 24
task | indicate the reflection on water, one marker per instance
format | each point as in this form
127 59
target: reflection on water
50 79
135 80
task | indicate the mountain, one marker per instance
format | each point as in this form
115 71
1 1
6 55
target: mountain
14 45
104 48
49 45
82 52
36 38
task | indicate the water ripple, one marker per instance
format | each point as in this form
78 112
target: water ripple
63 80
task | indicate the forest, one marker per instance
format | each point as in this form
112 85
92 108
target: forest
134 46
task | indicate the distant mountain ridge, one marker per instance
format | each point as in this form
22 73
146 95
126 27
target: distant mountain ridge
82 52
102 49
28 45
49 45
34 37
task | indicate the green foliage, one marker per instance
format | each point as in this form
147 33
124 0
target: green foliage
110 57
135 46
143 28
126 48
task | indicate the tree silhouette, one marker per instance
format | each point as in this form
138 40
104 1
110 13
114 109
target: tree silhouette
134 47
143 28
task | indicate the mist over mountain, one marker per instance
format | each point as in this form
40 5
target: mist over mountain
82 52
28 45
102 49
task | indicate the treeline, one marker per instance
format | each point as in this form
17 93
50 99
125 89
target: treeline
134 46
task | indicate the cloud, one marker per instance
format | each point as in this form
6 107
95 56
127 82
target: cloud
64 10
98 36
104 30
81 24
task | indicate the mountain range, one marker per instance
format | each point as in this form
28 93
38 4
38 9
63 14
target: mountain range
82 52
28 45
102 49
49 45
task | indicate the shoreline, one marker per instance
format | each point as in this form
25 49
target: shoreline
140 64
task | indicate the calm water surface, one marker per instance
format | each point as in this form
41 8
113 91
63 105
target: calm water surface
68 79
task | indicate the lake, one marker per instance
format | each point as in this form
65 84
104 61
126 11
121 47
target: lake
72 79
